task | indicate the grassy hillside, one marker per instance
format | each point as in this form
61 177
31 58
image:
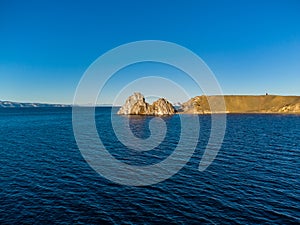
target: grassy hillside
244 104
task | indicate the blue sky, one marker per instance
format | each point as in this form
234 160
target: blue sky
252 47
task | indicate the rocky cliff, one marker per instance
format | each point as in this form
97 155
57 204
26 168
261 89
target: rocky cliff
136 105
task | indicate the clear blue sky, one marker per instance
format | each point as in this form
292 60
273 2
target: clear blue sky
252 47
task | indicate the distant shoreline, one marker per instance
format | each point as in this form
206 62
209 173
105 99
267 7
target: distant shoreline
235 104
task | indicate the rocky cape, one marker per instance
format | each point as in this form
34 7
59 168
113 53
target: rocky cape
136 105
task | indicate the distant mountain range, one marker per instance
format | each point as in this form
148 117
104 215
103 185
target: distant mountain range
9 104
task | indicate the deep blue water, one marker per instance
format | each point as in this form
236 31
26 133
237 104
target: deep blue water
255 178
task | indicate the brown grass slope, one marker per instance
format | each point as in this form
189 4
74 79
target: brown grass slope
243 104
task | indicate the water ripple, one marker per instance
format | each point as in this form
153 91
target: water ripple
44 179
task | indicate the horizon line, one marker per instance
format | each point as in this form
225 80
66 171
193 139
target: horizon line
111 104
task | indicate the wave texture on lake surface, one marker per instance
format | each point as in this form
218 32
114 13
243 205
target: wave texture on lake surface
44 178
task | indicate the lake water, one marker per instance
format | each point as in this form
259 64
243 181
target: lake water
254 179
